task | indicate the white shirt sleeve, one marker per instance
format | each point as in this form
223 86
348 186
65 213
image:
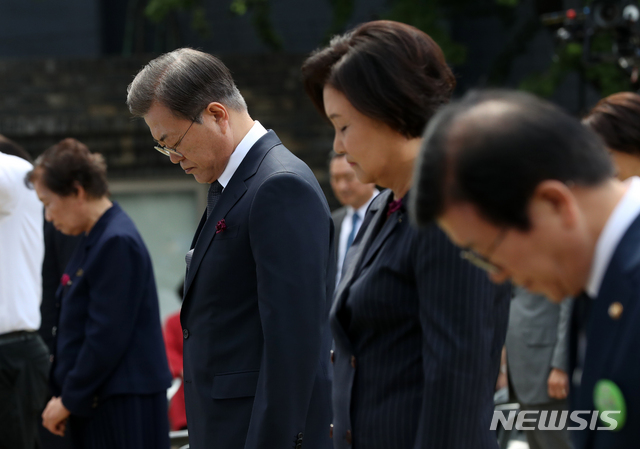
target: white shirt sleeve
7 188
13 170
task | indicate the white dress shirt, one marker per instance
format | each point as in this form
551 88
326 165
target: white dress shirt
346 228
21 248
625 212
238 155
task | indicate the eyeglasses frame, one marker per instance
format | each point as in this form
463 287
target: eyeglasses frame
481 261
169 151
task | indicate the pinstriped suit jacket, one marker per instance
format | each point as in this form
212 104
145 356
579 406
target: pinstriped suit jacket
418 335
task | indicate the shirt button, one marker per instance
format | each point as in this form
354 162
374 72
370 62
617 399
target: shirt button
353 361
185 333
54 330
51 358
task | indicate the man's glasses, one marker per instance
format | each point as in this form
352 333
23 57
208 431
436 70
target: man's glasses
169 151
481 261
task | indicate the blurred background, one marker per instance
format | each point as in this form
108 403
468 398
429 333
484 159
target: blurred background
65 67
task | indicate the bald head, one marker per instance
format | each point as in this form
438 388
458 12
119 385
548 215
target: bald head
492 148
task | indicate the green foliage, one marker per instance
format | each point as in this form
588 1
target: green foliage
159 10
260 18
510 3
606 77
342 11
428 16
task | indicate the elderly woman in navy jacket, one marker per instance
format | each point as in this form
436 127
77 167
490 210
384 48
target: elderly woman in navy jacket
110 371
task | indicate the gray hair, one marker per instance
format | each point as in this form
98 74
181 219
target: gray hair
185 81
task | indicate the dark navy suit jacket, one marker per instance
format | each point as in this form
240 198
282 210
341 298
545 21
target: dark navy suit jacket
109 337
418 337
254 317
613 347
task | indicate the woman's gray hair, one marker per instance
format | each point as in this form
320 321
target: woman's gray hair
185 81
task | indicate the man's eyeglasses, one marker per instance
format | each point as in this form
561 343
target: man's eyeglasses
169 151
481 261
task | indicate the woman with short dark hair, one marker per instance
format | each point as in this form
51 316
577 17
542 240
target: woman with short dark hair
109 372
616 118
418 331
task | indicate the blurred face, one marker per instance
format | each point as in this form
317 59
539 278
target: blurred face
204 148
551 258
627 165
369 145
65 212
345 184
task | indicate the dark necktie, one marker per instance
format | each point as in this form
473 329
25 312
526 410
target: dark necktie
215 191
578 339
214 194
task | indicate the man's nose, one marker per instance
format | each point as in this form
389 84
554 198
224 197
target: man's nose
175 158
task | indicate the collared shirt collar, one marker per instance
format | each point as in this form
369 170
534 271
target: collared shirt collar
625 212
238 155
362 209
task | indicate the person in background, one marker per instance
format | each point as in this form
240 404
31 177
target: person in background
24 358
615 119
58 249
110 371
173 338
530 195
354 197
418 332
537 359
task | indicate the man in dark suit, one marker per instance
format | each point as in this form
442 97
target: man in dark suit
261 270
355 197
530 194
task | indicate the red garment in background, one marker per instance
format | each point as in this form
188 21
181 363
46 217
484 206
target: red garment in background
173 343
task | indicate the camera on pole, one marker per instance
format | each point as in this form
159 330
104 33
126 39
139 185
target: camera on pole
620 19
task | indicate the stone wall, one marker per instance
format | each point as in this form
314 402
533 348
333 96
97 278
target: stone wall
44 101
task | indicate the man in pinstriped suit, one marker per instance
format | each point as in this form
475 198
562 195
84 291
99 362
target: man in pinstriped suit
530 192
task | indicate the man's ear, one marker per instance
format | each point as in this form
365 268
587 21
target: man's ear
556 199
218 113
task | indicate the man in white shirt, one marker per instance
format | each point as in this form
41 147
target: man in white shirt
530 195
24 358
355 198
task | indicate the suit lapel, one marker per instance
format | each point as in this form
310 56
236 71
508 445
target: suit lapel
388 225
230 196
361 248
602 329
199 230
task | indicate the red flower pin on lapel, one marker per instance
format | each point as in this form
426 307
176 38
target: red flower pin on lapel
64 280
221 226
